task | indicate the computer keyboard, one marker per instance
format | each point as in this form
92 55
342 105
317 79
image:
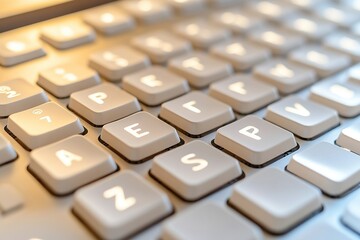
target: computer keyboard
183 119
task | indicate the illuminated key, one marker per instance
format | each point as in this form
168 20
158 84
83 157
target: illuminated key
44 124
68 34
121 205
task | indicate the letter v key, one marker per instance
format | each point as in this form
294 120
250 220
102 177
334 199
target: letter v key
121 203
298 109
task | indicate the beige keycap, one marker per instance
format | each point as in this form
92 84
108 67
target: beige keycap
67 34
7 151
343 42
103 103
18 94
306 4
192 113
338 14
349 138
10 198
109 20
65 79
160 46
114 63
188 7
155 85
272 10
243 93
44 124
18 49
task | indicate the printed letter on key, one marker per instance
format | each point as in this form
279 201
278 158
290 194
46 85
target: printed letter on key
201 163
135 132
121 203
190 106
250 131
298 109
98 97
151 81
67 158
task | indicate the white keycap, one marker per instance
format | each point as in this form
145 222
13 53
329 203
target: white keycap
10 198
44 124
323 230
116 62
343 97
304 118
209 221
353 74
329 167
18 94
338 14
67 34
272 10
351 216
265 197
344 43
65 79
69 164
349 138
244 93
188 7
18 49
103 103
109 20
7 152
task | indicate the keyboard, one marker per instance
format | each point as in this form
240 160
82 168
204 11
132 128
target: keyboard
183 119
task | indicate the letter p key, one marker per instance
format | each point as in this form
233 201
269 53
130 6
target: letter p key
250 131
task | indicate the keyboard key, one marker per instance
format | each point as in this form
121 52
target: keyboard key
103 104
200 69
325 62
147 11
195 169
161 46
7 151
68 34
139 136
242 54
349 138
109 20
224 3
243 93
304 118
44 124
255 141
342 42
10 198
343 97
155 85
354 74
65 79
202 34
285 75
273 10
323 230
69 164
257 198
209 221
188 7
239 21
351 216
306 4
332 169
19 49
338 14
192 114
115 63
120 205
18 94
278 40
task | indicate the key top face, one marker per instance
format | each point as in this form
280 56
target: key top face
272 10
68 34
44 124
279 40
109 20
243 93
201 33
65 79
10 198
331 168
209 221
351 215
120 205
242 54
139 136
304 118
17 95
116 62
19 49
103 103
155 85
69 164
7 152
343 97
188 7
192 114
254 140
195 169
340 15
269 206
323 61
344 43
323 230
285 75
349 138
161 46
200 69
